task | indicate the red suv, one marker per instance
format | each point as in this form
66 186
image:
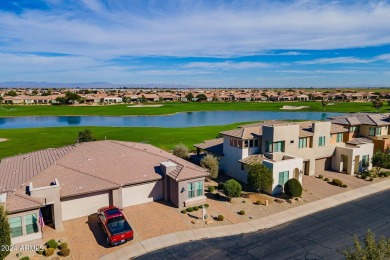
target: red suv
115 225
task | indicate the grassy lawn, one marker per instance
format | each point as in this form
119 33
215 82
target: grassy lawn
174 107
32 139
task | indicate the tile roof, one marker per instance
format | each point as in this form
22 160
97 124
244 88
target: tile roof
21 202
253 159
214 146
362 119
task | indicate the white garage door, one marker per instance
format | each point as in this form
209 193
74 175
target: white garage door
143 193
84 206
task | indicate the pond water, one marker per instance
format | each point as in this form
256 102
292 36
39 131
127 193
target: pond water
185 119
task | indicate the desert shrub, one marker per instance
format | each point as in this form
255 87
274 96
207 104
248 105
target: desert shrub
326 179
190 209
385 174
220 186
371 179
337 182
345 186
220 218
25 258
363 176
293 188
49 251
181 150
40 251
200 206
52 243
183 211
206 205
196 208
321 177
64 252
232 188
210 163
241 212
63 245
211 188
258 202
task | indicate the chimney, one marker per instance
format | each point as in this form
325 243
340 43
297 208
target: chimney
167 167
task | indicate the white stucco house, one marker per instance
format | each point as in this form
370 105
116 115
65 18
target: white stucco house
289 150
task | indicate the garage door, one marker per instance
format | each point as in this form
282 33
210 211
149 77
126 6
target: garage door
84 206
143 193
323 164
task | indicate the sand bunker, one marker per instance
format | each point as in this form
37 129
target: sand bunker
146 106
293 107
3 139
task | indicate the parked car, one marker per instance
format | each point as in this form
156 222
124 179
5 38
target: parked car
115 225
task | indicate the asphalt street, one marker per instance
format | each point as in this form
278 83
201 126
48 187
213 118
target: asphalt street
323 235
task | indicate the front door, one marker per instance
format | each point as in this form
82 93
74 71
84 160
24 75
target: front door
47 215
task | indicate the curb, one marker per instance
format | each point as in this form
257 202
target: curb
156 243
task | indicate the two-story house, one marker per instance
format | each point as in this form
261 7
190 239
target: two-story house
289 149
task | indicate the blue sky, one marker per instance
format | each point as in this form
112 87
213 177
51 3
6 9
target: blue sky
303 43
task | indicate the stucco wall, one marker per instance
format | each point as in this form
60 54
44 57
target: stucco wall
143 193
229 162
183 191
351 152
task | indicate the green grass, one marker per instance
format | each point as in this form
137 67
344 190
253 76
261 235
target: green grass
33 139
174 107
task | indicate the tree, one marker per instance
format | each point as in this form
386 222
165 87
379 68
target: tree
377 104
5 231
72 97
34 92
189 96
371 249
324 103
11 93
293 188
232 188
210 163
1 99
260 177
181 151
61 100
380 160
86 136
201 97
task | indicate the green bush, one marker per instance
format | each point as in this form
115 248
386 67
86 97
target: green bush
49 251
232 188
25 258
363 176
40 251
321 177
200 206
52 244
183 211
190 209
196 208
220 218
326 179
345 186
64 252
385 174
206 205
211 188
293 188
63 245
337 182
241 212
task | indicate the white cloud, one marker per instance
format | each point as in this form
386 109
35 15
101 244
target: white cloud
385 57
227 65
337 60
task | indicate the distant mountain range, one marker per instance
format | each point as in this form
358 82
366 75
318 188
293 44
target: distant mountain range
30 84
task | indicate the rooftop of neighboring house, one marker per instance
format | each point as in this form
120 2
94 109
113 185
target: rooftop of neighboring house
88 167
362 119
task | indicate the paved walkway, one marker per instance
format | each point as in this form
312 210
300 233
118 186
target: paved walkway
282 217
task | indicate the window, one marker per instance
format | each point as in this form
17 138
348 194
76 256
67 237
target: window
321 141
16 226
31 223
379 131
278 147
283 177
339 138
302 143
246 143
195 189
268 147
256 143
353 129
365 161
250 143
371 131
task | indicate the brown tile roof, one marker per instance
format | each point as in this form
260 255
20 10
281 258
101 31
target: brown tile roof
21 202
18 169
362 119
245 133
253 159
214 146
337 129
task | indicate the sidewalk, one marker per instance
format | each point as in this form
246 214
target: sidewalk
279 218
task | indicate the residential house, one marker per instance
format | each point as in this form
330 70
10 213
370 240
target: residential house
76 180
289 150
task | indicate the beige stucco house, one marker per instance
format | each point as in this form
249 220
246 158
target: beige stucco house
75 181
289 150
